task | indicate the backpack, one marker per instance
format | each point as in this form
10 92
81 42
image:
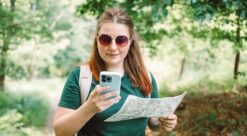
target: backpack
85 81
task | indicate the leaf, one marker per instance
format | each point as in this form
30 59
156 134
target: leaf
164 12
169 2
155 14
193 1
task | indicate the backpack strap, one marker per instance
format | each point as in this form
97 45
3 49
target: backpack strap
85 81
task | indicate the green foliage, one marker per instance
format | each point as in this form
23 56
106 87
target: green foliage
31 109
34 110
63 26
205 9
19 23
203 86
64 55
15 71
243 74
145 14
210 86
6 17
221 13
11 125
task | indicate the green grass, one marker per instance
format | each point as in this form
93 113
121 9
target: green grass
17 113
204 86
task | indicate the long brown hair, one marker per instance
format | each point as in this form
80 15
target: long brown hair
133 63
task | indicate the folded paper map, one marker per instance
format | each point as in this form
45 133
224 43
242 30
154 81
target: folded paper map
136 107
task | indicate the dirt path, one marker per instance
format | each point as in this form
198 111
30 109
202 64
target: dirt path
214 115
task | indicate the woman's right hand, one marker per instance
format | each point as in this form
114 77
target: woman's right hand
98 102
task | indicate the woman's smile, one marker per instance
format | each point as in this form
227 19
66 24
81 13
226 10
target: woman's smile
112 55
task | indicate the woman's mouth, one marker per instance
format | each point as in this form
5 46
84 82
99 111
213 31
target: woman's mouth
112 55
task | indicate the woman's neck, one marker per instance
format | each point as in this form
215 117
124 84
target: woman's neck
116 68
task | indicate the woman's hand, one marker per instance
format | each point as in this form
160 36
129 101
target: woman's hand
168 123
98 102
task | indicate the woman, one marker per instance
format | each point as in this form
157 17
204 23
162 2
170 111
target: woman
116 48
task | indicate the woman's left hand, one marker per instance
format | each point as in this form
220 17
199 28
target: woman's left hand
168 123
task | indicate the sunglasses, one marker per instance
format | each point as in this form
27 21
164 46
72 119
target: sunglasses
106 40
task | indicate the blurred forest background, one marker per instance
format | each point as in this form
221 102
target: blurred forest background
198 46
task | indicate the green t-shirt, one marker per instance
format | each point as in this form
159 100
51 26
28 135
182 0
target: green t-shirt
96 126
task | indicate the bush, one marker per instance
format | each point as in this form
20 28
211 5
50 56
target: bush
203 86
21 112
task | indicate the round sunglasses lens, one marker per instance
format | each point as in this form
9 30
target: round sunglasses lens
121 41
104 40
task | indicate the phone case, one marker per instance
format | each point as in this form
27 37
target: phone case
111 79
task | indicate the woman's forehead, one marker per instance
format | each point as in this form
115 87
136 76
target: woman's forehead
114 29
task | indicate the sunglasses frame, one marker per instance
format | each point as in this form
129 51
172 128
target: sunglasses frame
114 39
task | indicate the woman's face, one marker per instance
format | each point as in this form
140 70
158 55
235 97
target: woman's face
113 42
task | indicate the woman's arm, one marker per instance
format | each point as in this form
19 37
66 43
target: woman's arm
67 122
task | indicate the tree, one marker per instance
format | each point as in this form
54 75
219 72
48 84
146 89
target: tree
223 13
146 14
17 22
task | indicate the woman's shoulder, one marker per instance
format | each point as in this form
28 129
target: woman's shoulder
74 74
75 70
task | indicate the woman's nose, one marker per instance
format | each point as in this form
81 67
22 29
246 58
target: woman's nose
113 45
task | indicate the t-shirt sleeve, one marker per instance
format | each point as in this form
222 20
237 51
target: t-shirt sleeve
70 97
154 93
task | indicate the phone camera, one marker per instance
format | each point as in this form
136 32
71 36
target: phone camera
108 79
103 76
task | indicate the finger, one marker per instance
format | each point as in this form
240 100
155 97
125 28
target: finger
168 125
108 95
95 90
111 101
167 128
98 90
117 98
169 122
102 89
170 117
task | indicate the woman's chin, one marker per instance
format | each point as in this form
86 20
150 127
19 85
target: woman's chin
113 61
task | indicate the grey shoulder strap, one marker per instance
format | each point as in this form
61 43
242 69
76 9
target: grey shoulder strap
85 81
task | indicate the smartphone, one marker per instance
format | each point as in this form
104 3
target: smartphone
111 79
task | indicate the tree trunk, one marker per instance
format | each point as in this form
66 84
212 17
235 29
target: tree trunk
3 61
182 68
2 83
237 57
12 5
7 33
